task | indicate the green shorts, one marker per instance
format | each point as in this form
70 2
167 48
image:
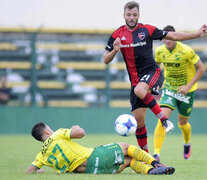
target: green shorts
105 159
184 103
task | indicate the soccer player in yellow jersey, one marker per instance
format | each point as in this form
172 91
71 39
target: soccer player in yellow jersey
65 156
183 68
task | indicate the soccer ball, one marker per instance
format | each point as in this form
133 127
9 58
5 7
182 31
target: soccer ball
125 125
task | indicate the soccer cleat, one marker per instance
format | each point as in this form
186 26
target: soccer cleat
168 125
157 157
159 165
161 170
187 151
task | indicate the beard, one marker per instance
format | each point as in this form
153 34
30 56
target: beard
130 26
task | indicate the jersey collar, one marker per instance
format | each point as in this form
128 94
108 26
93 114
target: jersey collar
138 25
173 48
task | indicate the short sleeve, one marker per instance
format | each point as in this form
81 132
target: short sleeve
158 34
115 34
109 46
37 162
192 56
63 133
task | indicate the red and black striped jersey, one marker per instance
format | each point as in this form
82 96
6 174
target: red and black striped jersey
137 48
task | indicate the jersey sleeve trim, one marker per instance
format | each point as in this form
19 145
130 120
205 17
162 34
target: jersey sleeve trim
35 166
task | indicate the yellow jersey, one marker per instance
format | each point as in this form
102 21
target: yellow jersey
60 153
179 65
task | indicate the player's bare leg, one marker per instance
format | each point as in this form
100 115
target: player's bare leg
143 92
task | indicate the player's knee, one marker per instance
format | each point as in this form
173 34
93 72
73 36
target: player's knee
137 90
140 90
182 121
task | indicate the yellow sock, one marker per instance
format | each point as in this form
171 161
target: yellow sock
186 131
159 136
139 167
140 154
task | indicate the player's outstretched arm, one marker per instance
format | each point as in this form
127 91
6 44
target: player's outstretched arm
33 169
77 132
181 36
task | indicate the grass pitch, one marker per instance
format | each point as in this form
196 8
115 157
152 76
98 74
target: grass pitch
18 151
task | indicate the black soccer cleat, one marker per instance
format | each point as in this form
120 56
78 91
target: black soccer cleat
187 151
162 170
159 165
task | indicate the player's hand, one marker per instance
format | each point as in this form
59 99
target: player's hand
77 132
183 90
117 44
203 30
40 171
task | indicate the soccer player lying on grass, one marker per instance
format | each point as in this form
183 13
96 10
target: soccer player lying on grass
62 154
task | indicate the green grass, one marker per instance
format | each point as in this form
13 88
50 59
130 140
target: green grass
18 151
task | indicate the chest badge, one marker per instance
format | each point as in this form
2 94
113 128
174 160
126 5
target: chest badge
141 35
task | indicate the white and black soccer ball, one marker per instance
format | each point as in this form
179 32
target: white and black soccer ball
125 125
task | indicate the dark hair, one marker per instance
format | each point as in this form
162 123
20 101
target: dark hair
131 5
37 130
169 28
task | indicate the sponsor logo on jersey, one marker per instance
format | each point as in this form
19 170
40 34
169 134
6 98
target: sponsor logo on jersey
180 97
141 35
123 38
46 145
156 89
134 45
118 158
96 165
172 64
169 101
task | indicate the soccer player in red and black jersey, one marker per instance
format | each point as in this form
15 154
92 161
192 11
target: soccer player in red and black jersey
135 42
